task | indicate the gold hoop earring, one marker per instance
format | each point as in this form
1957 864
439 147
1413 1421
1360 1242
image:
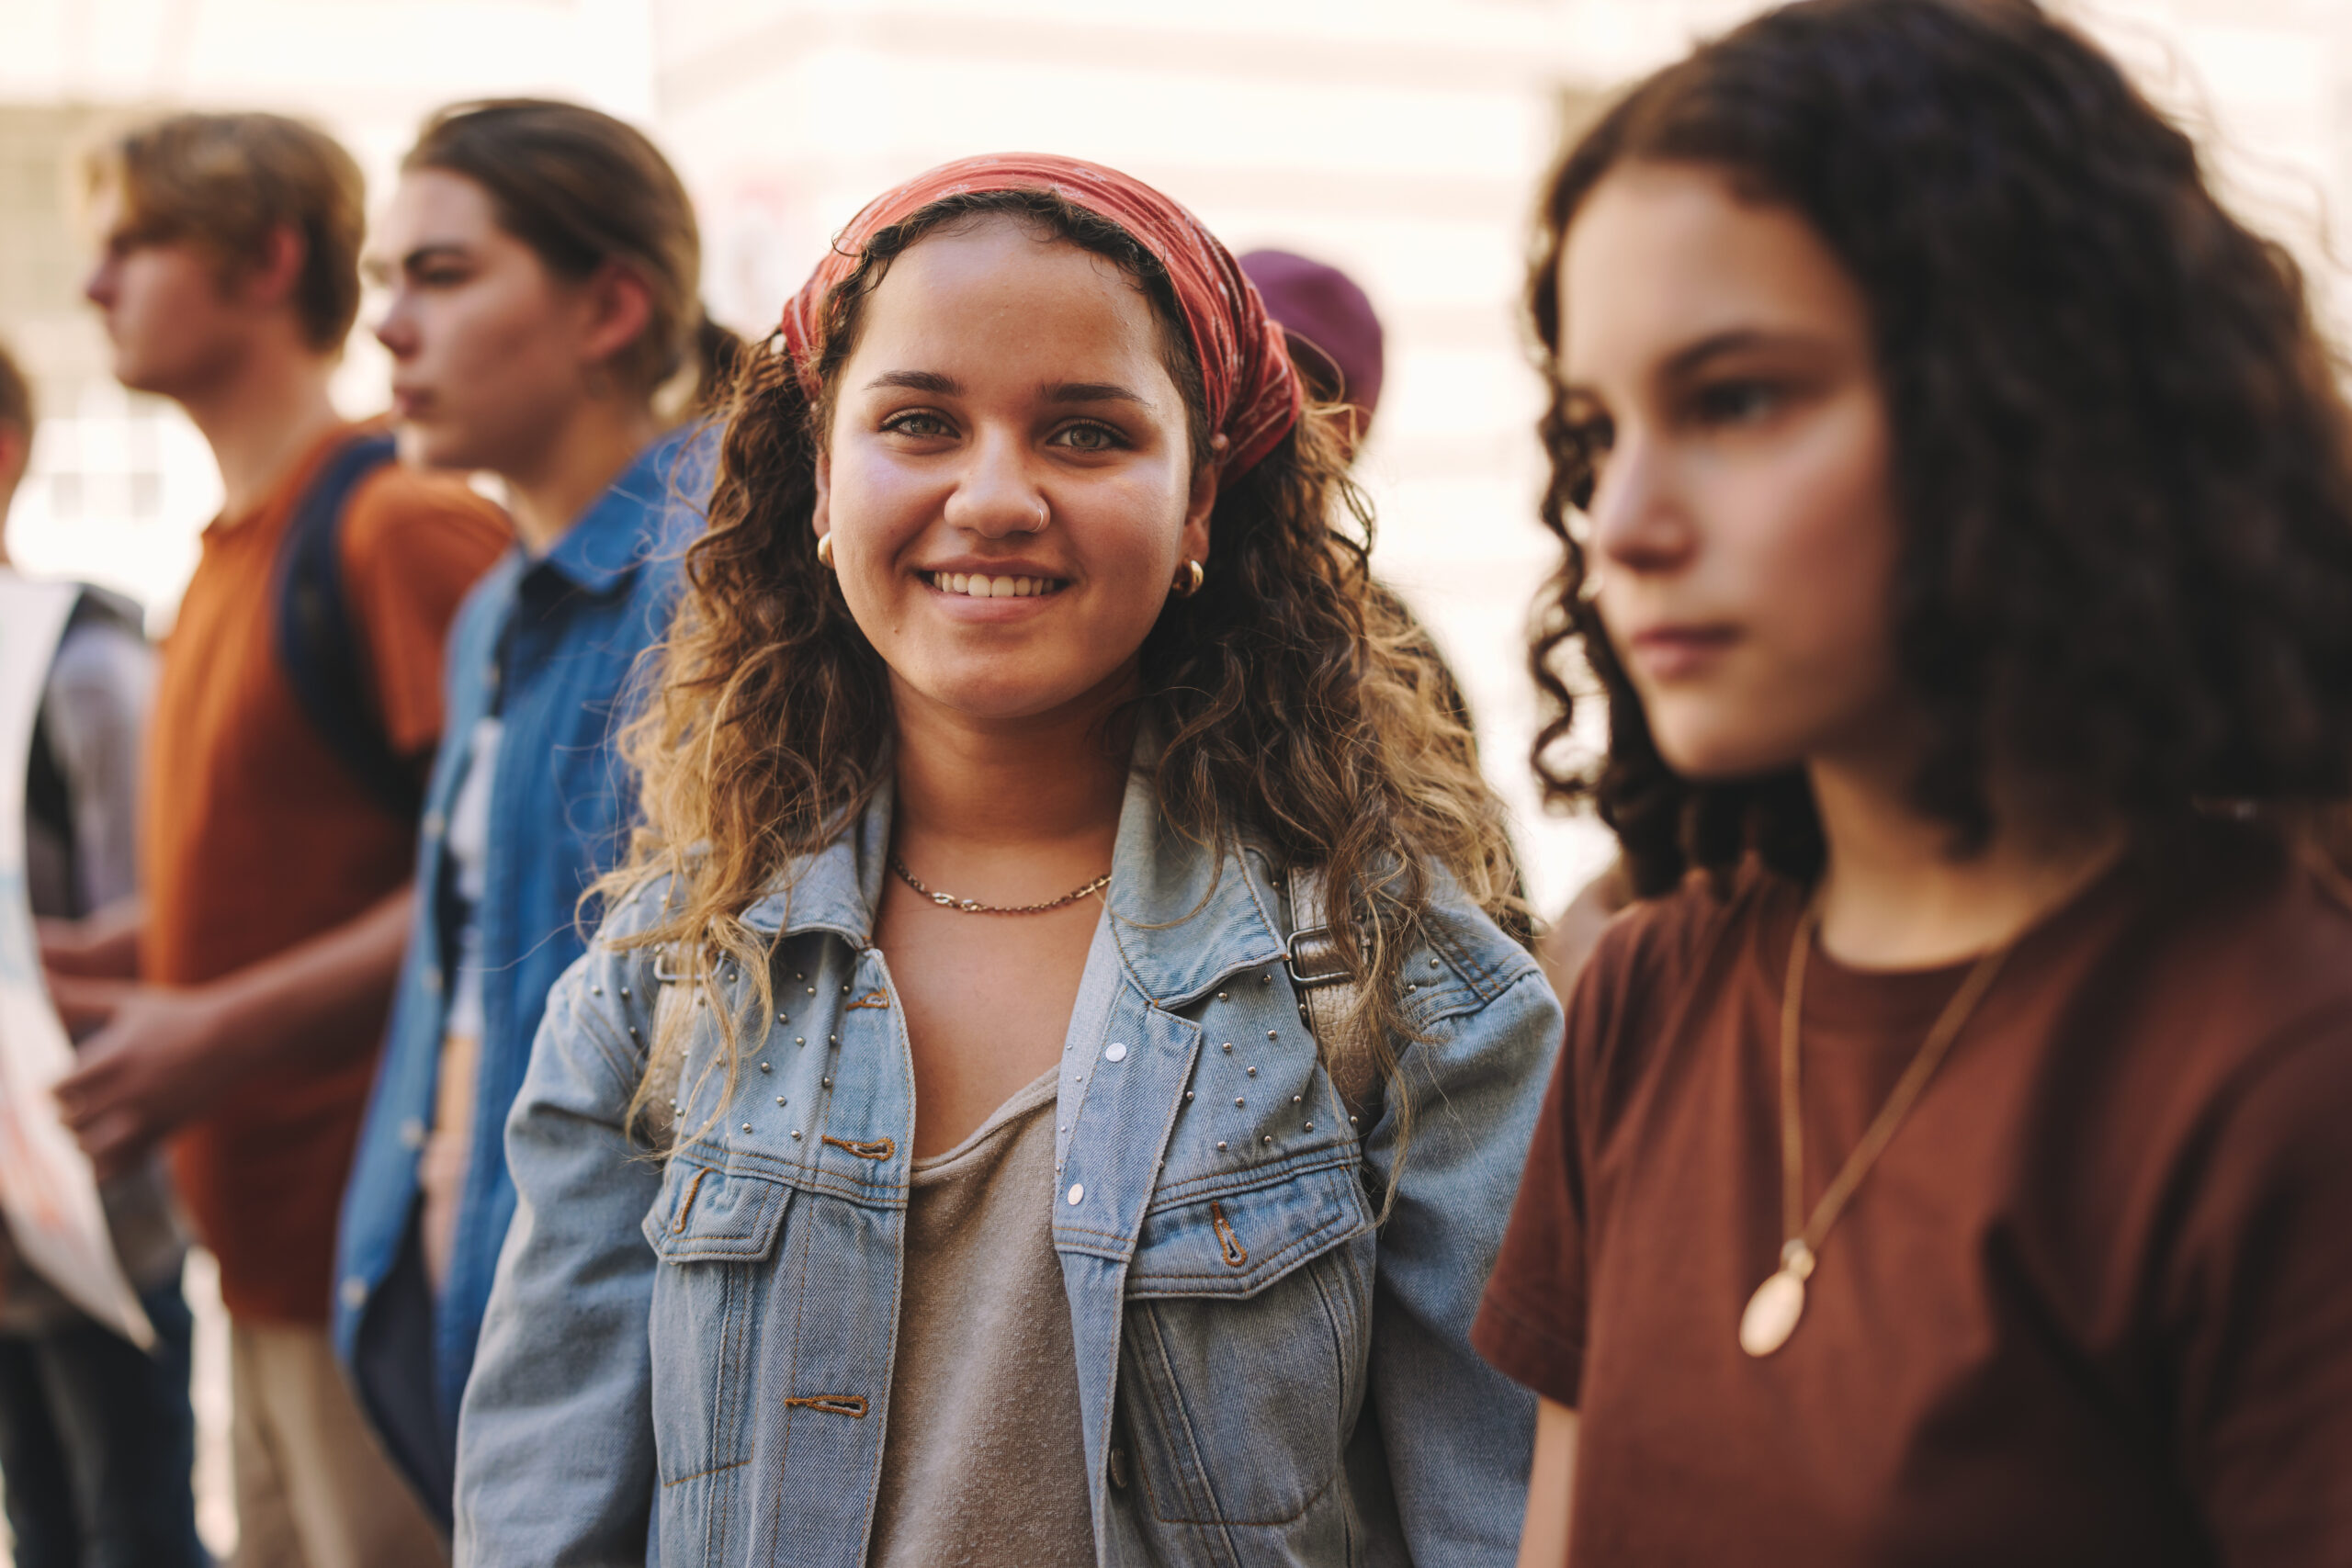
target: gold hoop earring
825 551
1188 581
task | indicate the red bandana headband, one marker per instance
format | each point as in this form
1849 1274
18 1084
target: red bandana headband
1253 395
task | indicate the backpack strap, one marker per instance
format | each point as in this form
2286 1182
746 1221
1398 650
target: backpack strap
1328 998
317 645
49 795
48 799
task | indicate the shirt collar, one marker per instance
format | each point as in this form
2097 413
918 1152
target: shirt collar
835 889
653 505
1186 914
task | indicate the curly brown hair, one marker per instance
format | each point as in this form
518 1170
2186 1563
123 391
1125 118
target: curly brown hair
1296 702
2121 456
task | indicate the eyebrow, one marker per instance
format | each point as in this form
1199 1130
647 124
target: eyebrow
377 268
916 381
1683 361
1689 358
1062 393
1091 392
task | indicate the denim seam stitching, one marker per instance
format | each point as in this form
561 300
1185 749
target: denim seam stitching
699 1475
1183 1194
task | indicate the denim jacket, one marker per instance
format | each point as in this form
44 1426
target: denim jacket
689 1361
548 644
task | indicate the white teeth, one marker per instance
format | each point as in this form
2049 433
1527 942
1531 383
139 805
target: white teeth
978 586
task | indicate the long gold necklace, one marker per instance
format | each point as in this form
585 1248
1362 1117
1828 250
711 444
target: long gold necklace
1772 1312
974 907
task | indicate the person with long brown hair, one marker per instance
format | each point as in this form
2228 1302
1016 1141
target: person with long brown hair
541 261
1044 1093
1948 1160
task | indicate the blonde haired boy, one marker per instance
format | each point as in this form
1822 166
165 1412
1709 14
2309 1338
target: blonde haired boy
242 1006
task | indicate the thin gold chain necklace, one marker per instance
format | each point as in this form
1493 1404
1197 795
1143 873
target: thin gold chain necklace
1772 1312
974 907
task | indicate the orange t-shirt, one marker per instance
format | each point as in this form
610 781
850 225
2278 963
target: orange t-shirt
258 837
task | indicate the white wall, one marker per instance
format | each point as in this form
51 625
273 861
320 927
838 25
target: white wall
1400 139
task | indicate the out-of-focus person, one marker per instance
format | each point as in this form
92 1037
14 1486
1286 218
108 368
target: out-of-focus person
1948 1160
1339 349
98 1440
541 263
239 1011
1335 336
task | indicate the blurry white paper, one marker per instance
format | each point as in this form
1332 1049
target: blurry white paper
47 1190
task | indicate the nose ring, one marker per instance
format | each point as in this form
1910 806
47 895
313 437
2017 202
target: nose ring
1045 518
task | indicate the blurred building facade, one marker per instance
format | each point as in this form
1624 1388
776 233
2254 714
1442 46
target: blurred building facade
1402 139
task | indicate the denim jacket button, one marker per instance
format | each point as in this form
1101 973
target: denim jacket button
1119 1468
412 1132
1114 1052
1077 1191
354 1293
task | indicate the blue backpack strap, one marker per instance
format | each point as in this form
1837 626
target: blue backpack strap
317 645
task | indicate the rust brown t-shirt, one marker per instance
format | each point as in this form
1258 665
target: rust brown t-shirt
2092 1306
258 837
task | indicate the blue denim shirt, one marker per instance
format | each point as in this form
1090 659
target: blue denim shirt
549 644
689 1360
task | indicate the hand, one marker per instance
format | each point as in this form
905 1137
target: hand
86 1005
140 1076
104 946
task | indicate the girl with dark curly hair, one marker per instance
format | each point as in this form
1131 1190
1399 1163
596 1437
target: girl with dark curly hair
1948 1162
980 1133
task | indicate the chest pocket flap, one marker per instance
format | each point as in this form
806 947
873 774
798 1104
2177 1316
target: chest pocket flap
1237 1243
707 1213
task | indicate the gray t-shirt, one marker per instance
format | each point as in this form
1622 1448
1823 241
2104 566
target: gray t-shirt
94 725
985 1464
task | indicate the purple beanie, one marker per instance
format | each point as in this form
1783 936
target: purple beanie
1322 307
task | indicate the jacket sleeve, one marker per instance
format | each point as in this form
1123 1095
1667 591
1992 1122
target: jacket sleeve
556 1465
1458 1435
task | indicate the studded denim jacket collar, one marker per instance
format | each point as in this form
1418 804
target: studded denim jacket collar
1167 891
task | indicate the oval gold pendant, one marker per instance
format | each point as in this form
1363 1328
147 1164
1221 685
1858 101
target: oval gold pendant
1772 1313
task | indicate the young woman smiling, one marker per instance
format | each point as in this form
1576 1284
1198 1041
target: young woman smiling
541 261
1947 1163
1029 708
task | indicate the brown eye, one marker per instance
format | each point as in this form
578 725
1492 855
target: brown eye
1736 403
1088 437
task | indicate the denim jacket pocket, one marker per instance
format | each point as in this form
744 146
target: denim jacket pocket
1248 1325
714 1230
